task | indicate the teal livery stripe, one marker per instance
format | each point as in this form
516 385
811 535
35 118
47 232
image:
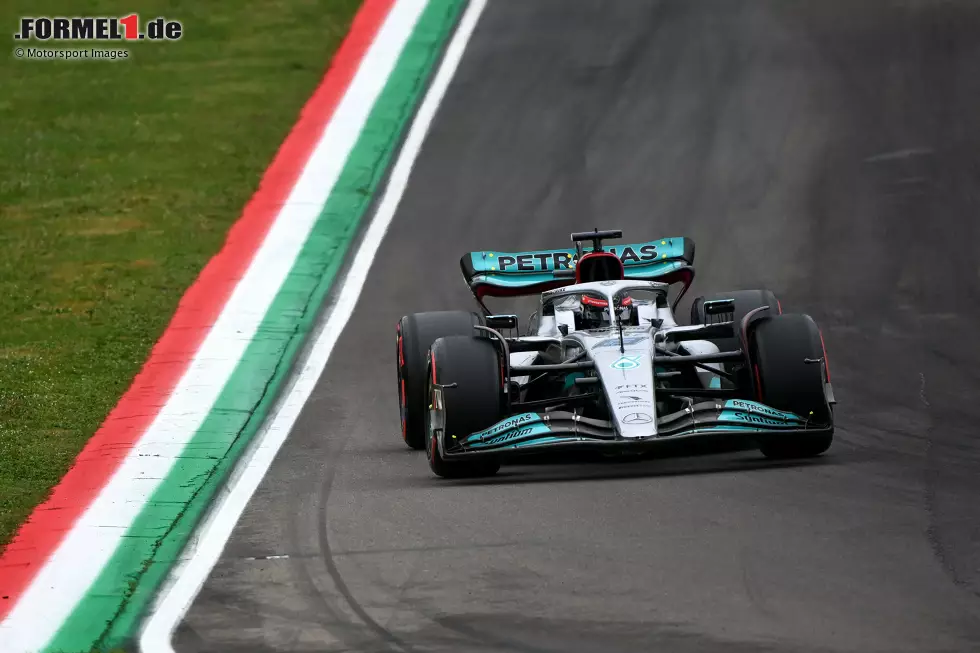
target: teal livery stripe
741 409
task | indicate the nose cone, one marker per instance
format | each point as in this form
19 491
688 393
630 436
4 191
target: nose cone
628 381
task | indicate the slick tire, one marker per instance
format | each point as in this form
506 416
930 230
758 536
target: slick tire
471 366
780 345
414 334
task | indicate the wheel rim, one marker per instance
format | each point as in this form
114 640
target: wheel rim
431 446
428 434
402 398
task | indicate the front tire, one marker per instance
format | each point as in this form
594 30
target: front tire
414 334
471 366
780 346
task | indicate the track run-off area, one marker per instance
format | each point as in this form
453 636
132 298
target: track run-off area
826 150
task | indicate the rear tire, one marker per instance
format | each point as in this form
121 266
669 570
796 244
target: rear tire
414 335
474 404
779 347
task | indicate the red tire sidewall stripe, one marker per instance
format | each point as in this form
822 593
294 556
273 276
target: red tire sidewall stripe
826 361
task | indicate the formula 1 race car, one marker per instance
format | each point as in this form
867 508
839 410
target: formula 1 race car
605 365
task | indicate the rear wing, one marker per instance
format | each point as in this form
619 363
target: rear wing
514 274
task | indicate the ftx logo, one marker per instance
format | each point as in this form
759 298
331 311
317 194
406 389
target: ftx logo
97 28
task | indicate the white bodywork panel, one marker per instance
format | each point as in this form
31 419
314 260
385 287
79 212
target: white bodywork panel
522 358
627 376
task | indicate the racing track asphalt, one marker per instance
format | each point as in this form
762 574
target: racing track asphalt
827 149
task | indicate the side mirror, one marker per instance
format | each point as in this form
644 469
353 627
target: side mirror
502 321
719 306
719 310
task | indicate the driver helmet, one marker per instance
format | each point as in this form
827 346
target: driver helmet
595 316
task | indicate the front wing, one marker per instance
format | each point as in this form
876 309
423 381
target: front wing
539 431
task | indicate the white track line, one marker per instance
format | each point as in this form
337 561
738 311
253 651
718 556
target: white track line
204 550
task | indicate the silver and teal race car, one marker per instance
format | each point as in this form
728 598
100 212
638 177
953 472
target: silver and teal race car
604 365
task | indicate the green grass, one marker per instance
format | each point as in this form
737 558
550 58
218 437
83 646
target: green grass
118 181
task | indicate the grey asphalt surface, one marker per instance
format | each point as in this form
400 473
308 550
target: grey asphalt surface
829 150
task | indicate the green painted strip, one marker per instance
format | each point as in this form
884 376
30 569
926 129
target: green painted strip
109 615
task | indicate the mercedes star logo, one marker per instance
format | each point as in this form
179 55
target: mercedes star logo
637 418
